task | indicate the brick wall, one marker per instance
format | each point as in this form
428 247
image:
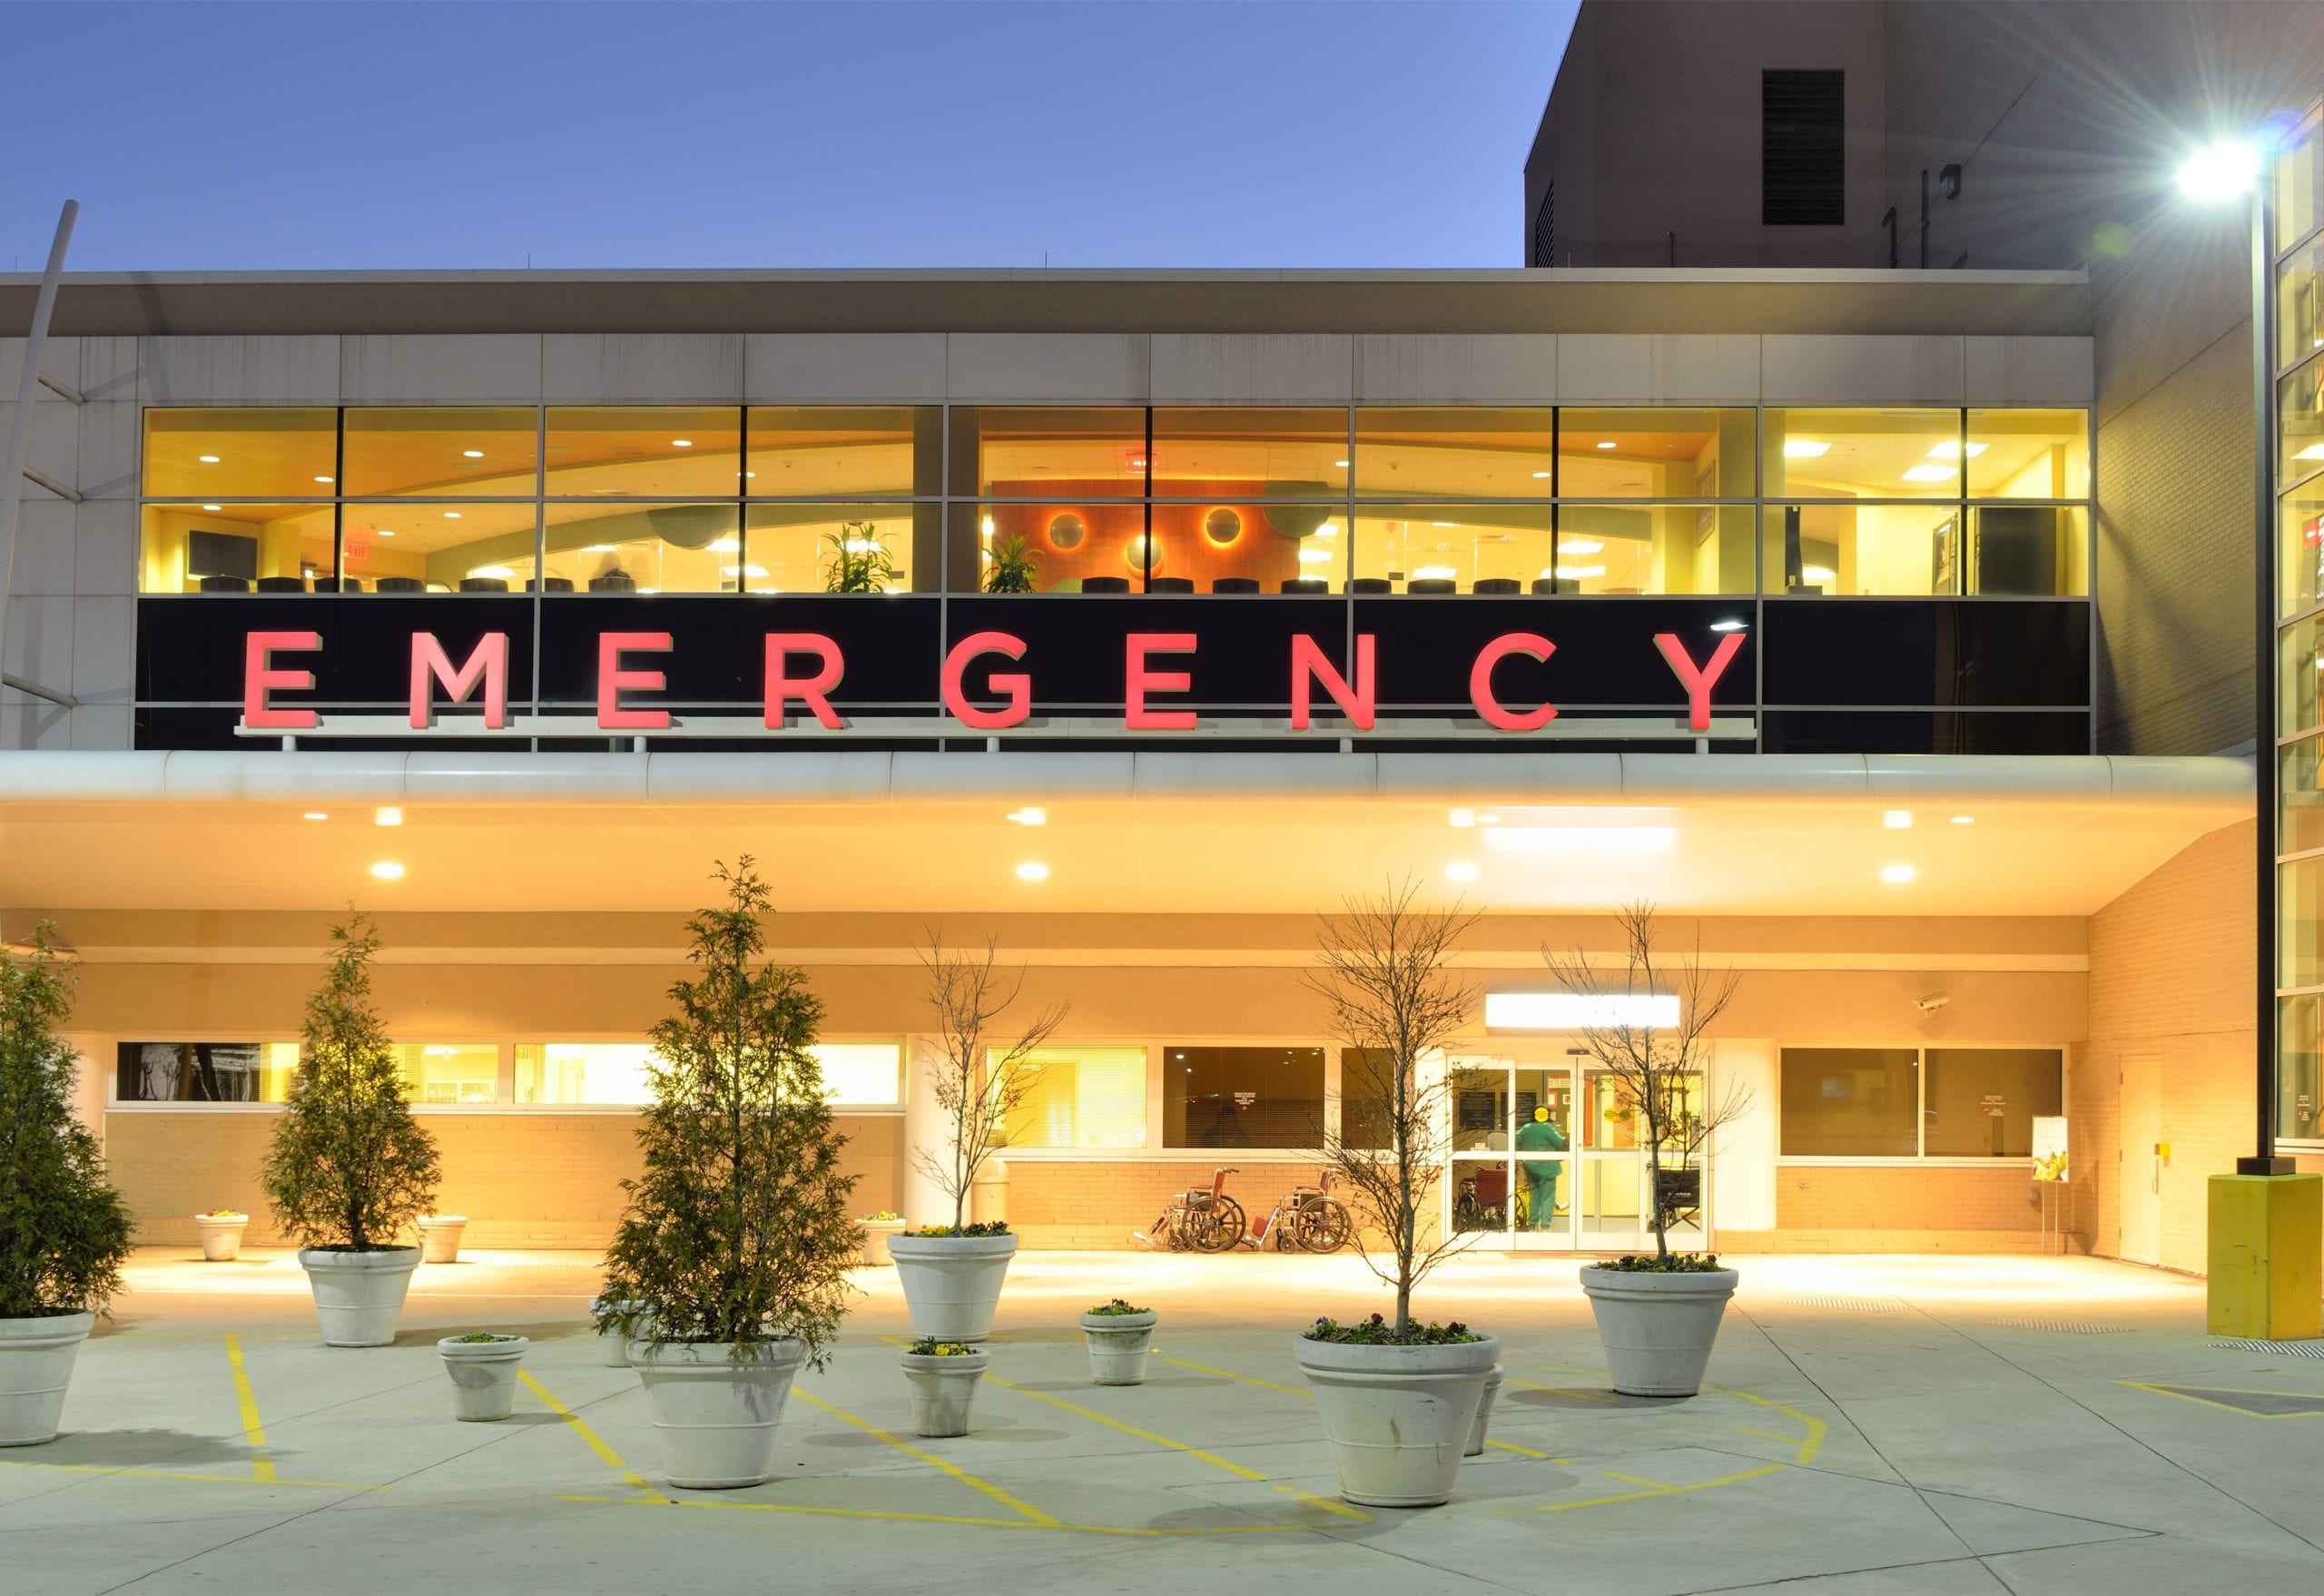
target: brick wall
1938 1208
1098 1204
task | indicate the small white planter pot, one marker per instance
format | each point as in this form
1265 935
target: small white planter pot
483 1376
953 1283
35 1364
439 1237
1657 1329
222 1236
876 1235
1484 1414
714 1413
944 1390
613 1346
358 1297
1397 1417
1118 1345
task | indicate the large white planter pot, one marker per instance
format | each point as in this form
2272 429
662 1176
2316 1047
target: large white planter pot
358 1297
953 1283
35 1363
1118 1345
715 1413
222 1238
944 1390
439 1237
1484 1414
613 1346
1657 1329
483 1376
1397 1417
877 1233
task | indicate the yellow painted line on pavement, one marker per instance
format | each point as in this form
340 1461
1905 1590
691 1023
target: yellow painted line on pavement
1572 1391
1809 1445
1338 1508
138 1473
253 1431
2187 1394
1030 1513
933 1518
1230 1375
1662 1491
1637 1480
596 1442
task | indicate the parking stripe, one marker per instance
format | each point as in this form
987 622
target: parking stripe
253 1431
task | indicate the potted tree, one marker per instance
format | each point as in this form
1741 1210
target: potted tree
943 1376
439 1237
951 1274
729 1269
1398 1398
1657 1316
483 1365
64 1230
220 1230
1118 1334
349 1168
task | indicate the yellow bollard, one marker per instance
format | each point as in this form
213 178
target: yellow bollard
2266 1257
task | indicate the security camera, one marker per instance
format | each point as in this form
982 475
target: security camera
1933 1001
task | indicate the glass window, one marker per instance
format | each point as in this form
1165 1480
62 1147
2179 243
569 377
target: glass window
2299 693
1655 548
2300 175
864 1073
608 1073
442 451
1081 1097
2299 317
2299 816
2039 550
1198 544
1453 452
2299 400
1850 1102
818 548
1057 547
242 454
2029 454
1215 452
1441 548
1982 1101
233 547
1242 1097
837 451
204 1072
2300 529
1639 453
1365 1087
661 451
2300 930
447 1073
1025 453
2299 1112
640 549
1863 454
1901 550
431 546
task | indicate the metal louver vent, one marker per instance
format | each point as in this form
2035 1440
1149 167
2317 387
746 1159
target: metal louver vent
1802 149
1545 228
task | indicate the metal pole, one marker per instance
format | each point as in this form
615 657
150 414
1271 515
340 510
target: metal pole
2263 747
20 424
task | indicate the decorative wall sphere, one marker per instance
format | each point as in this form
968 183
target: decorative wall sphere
1066 532
1221 527
1134 557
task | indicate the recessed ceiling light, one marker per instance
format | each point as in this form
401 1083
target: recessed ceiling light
1579 546
1540 476
1897 820
1950 449
1816 572
1929 474
322 479
1342 464
1576 573
1444 523
1805 448
1033 869
1607 444
472 454
214 507
1964 820
599 548
316 814
385 531
388 869
1461 869
451 515
209 459
682 443
1897 875
1462 817
1032 814
386 817
2314 451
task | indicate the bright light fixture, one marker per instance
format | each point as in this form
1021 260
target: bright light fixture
1341 464
451 515
388 869
1579 546
472 454
1444 523
1930 473
1575 573
1584 842
386 817
2314 451
1462 817
2220 171
1950 449
322 480
1729 625
214 508
1607 444
1805 448
1434 573
1964 820
1897 820
1817 573
209 459
1032 814
1574 1011
1461 869
682 443
1033 869
1897 875
384 531
1540 476
988 526
725 546
1309 556
316 814
1328 529
599 548
501 573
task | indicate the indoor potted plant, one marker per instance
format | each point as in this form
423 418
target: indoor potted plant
439 1237
878 1230
483 1365
1398 1398
951 1274
64 1230
1011 566
1118 1334
1657 1315
729 1269
943 1376
222 1234
859 562
350 1167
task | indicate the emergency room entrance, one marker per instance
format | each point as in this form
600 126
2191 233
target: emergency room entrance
1547 1156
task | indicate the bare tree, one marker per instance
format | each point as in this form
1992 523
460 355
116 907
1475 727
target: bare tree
980 1082
1386 972
1660 1067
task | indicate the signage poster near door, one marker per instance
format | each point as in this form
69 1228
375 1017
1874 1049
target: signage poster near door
2049 1147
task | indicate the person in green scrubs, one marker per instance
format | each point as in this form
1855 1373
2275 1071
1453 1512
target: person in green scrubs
1542 1175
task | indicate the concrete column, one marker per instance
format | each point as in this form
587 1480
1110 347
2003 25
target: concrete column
926 1125
1743 1153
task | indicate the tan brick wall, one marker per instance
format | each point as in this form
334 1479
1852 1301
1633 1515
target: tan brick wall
1941 1198
524 1180
1090 1204
2171 975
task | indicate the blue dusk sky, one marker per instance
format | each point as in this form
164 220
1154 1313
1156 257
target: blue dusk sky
329 136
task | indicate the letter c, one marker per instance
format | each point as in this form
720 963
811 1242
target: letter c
1528 644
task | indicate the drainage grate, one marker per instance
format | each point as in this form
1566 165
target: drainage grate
2061 1327
2296 1349
1849 1305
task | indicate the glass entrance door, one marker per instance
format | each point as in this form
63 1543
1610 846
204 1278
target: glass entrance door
1510 1175
1614 1173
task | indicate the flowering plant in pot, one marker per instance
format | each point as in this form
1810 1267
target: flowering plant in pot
64 1230
349 1168
1398 1398
220 1230
1118 1335
1657 1315
943 1376
878 1230
483 1365
951 1274
729 1269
